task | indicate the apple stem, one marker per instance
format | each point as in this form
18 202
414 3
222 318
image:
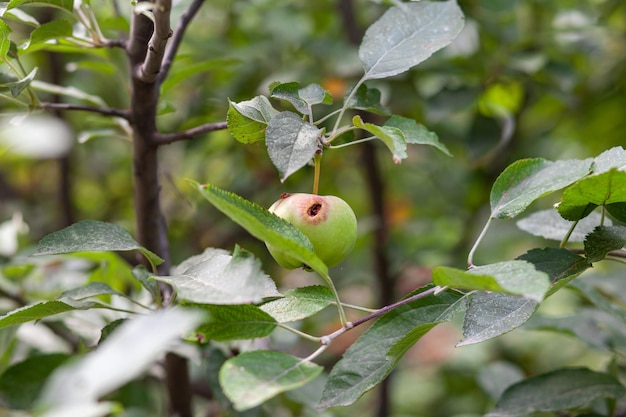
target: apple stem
317 160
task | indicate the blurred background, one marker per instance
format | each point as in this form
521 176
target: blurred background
524 79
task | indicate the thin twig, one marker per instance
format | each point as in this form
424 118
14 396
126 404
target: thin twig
177 37
167 138
79 107
149 70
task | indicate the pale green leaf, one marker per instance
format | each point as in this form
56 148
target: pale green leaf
408 34
558 390
550 225
252 378
302 98
5 42
235 322
391 136
415 133
91 236
299 303
526 180
291 142
366 99
263 225
247 120
216 277
40 36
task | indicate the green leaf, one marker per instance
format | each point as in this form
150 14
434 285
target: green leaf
247 120
511 277
366 99
603 240
301 98
415 133
391 136
67 5
526 180
93 289
141 274
374 355
122 357
22 382
561 265
216 277
72 92
44 309
559 390
493 314
5 42
252 378
617 210
550 225
299 303
264 225
585 195
236 322
92 236
407 35
16 87
291 142
501 99
609 159
40 36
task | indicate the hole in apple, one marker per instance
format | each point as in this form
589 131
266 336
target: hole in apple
314 209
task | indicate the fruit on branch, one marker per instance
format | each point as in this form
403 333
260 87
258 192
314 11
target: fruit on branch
328 222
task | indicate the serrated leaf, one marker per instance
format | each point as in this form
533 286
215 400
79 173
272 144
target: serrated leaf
235 322
264 225
415 133
291 142
561 265
526 180
493 314
585 195
252 378
511 277
392 137
558 390
92 236
21 383
44 309
301 98
299 303
603 240
67 5
247 120
55 29
550 225
366 99
216 277
407 35
374 355
123 356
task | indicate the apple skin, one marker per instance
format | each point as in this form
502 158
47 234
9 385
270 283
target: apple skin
328 222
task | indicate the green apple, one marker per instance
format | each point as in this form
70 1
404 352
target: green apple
328 222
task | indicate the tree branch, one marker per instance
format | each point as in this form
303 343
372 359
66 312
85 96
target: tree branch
179 33
167 138
78 107
149 70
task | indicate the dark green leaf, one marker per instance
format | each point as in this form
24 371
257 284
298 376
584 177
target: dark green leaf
561 265
603 240
526 180
374 355
596 190
391 136
512 277
559 390
366 99
235 322
21 383
252 378
299 303
301 98
44 309
415 133
291 142
407 35
67 5
264 225
493 314
216 277
247 120
617 210
91 236
109 329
